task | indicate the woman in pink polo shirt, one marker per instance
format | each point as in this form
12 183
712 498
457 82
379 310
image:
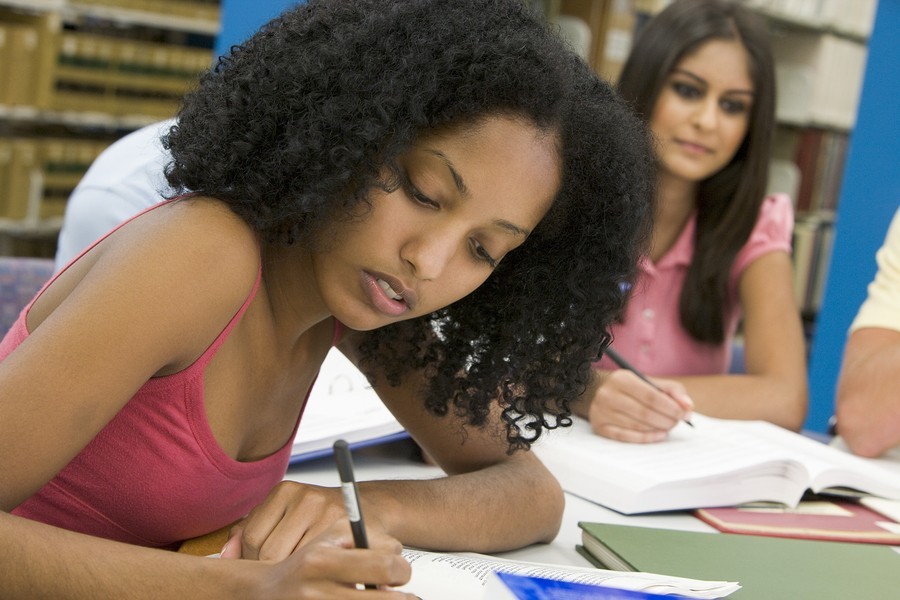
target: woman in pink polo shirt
701 72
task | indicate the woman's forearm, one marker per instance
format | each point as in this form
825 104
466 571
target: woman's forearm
501 507
40 561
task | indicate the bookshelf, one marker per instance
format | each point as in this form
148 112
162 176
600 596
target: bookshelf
75 75
820 51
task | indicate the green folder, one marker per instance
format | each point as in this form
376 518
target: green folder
767 568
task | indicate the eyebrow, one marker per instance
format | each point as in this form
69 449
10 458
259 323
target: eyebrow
704 82
457 178
461 186
512 228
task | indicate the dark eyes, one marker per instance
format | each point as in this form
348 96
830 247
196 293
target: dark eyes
734 107
692 92
422 198
482 254
478 251
413 192
686 90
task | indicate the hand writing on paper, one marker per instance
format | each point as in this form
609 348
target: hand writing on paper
625 408
329 566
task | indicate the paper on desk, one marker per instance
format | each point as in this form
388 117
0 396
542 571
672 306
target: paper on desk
341 404
462 576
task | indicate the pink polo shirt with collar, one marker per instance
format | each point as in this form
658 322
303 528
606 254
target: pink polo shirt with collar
651 336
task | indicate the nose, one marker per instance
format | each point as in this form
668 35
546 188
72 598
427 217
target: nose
706 114
429 253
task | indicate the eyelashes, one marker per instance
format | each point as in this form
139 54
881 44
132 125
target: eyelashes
478 251
689 91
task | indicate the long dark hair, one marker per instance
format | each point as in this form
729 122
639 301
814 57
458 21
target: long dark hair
728 202
296 125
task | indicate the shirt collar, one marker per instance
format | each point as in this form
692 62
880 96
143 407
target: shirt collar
681 252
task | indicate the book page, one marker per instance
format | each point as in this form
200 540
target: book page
710 464
829 466
719 462
454 576
341 404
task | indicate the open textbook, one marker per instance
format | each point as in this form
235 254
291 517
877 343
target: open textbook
342 404
716 463
463 576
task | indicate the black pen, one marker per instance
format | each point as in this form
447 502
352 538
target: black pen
351 498
617 358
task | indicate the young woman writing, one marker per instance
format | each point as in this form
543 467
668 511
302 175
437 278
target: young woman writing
701 74
439 189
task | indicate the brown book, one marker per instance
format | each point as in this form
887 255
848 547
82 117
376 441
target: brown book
816 518
22 65
807 160
14 199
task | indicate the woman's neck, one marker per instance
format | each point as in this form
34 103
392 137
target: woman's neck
291 291
676 200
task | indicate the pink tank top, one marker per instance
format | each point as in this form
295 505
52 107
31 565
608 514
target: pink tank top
155 475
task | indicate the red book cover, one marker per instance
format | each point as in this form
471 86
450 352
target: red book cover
820 519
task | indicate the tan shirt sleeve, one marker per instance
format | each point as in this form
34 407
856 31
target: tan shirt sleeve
882 305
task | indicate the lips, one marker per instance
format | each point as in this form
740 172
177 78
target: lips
388 295
693 148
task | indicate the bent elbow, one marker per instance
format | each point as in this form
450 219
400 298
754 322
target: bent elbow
862 443
863 436
796 407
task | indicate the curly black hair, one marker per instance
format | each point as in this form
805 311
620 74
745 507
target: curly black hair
294 127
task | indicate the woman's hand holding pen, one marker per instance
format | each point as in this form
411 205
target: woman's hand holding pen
302 532
330 566
624 407
291 516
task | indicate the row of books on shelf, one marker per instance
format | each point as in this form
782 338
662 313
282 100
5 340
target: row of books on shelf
809 168
818 77
44 67
813 239
820 155
849 18
808 165
38 174
207 10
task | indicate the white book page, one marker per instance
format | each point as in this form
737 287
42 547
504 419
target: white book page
713 454
831 467
456 576
342 404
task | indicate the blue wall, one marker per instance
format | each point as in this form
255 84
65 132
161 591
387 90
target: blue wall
870 195
241 18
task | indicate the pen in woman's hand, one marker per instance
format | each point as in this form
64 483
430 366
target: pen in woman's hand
617 358
351 497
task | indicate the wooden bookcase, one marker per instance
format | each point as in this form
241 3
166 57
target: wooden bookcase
75 75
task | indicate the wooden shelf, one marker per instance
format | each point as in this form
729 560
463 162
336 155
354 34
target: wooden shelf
73 11
30 114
